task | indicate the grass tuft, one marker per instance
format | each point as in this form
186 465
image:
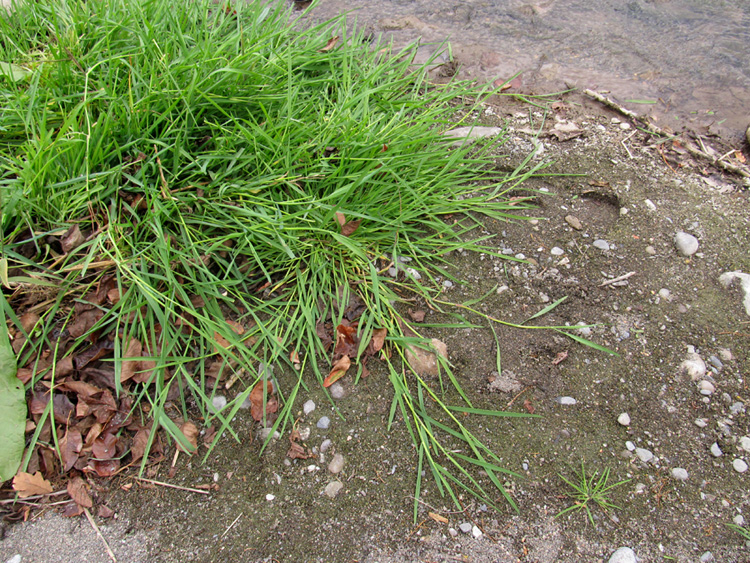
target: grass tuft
590 490
208 190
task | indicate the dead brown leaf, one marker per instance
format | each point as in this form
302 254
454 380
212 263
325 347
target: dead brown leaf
256 401
338 371
348 228
325 338
26 484
105 446
560 357
340 218
105 512
28 321
72 239
346 340
438 518
83 322
296 449
132 349
190 432
416 316
294 358
529 406
70 448
378 339
140 441
330 45
79 492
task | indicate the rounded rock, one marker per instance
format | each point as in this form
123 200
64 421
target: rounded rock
716 450
270 497
465 527
706 387
323 423
739 465
686 244
624 419
707 557
680 474
600 244
337 391
218 402
644 455
566 401
337 464
308 407
333 488
476 532
745 443
556 251
325 445
623 555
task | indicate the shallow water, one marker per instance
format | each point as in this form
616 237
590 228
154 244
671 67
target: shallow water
689 58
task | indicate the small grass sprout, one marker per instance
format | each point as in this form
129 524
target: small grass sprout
590 489
741 530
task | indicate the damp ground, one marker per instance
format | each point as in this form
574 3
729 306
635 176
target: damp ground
624 189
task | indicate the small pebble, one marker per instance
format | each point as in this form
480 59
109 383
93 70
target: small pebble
706 387
323 423
739 520
556 251
716 450
465 527
447 284
745 443
584 330
739 465
304 433
737 408
325 445
333 488
624 419
650 204
686 244
574 222
15 559
308 407
630 445
665 294
270 497
337 391
725 354
623 555
701 422
453 532
644 455
716 362
680 474
707 557
337 464
600 244
219 402
476 532
650 250
566 400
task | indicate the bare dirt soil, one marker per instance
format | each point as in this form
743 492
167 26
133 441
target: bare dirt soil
623 189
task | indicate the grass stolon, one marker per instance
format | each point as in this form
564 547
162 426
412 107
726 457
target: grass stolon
210 168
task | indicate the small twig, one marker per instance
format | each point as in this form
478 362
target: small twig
231 526
626 146
98 533
651 128
34 497
513 400
171 486
617 279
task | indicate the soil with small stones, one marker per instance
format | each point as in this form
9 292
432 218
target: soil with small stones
624 189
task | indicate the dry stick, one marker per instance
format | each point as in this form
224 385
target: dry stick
651 128
98 533
171 486
617 279
231 526
34 497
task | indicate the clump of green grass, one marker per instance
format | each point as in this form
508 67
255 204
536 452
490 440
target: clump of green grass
741 530
211 157
589 490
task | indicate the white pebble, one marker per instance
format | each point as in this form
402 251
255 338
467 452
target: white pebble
325 445
270 497
333 488
476 532
686 244
15 559
566 400
745 443
323 423
680 474
219 402
644 455
739 520
337 391
665 294
630 445
624 419
601 244
650 204
556 251
308 407
465 527
337 464
716 450
701 422
739 465
694 366
706 387
623 555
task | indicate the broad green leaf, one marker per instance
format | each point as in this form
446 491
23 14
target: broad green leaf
12 406
14 72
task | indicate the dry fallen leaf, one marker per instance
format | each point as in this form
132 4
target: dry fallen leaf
191 432
70 448
438 518
294 358
331 44
257 409
348 228
79 492
560 357
378 339
528 406
416 316
72 239
140 441
26 484
338 371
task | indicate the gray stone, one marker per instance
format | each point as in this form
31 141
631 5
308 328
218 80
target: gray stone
624 419
308 407
644 455
716 450
706 387
337 391
623 555
465 527
453 532
337 464
325 445
739 465
566 401
680 474
574 222
686 244
707 557
333 488
745 443
476 532
556 251
600 244
324 423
